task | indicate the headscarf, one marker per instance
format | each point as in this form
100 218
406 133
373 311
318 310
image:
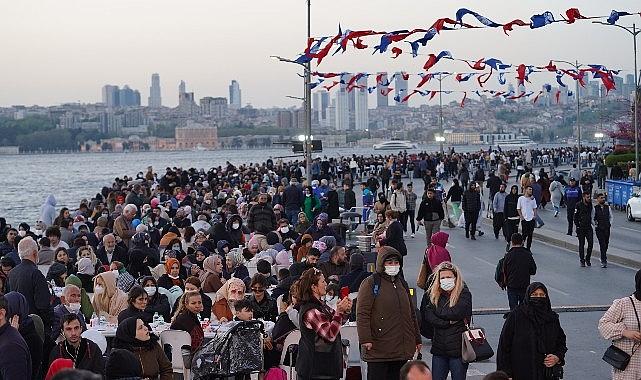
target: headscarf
282 258
321 246
436 252
236 256
538 315
86 267
169 263
122 364
225 291
637 283
57 366
126 336
101 301
17 305
209 267
330 242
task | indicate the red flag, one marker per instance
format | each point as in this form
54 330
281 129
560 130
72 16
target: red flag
431 61
378 78
396 51
464 97
510 25
573 14
478 65
359 44
550 67
520 71
482 79
426 78
537 97
432 95
330 86
386 91
558 96
499 93
405 75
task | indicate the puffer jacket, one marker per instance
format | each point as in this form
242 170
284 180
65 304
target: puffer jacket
387 320
449 323
471 202
261 219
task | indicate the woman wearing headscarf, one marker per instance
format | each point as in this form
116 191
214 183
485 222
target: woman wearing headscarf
86 308
234 228
88 252
234 265
620 325
436 253
211 276
172 277
532 343
57 274
157 302
303 223
134 336
108 300
85 273
301 250
231 291
17 313
512 218
320 228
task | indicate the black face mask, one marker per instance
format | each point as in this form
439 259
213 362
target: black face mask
537 301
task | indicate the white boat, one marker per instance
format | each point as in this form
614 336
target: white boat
199 148
395 145
518 142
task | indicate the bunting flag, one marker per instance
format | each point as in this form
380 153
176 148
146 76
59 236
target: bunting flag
537 96
510 25
464 97
573 14
434 59
396 52
482 19
483 78
432 94
463 77
386 91
424 79
539 21
614 16
329 87
558 96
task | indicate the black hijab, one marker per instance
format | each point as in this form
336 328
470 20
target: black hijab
637 283
538 314
126 336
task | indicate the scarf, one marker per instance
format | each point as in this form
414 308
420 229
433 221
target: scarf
209 267
126 336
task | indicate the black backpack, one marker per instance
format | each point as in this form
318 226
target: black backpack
499 274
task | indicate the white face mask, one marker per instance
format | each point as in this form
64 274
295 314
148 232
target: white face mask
235 226
175 247
74 307
38 232
115 272
22 233
98 290
392 270
284 230
151 290
447 284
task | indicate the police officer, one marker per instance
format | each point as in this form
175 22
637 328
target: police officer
603 222
572 197
583 221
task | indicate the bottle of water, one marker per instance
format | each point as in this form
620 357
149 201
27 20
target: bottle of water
94 320
157 318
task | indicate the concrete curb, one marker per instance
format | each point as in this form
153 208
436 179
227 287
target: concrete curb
571 243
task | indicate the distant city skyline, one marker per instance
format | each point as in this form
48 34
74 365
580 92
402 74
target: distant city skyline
65 51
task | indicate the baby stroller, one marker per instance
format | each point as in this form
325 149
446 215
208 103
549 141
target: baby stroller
238 351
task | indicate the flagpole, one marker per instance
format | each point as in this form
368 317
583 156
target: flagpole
308 104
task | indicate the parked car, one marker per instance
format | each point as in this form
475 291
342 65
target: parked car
633 209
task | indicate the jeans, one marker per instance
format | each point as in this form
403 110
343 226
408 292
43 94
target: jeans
442 365
384 370
411 214
527 229
292 216
603 235
585 234
431 227
515 297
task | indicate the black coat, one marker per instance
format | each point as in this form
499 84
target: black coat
517 353
471 202
519 266
427 209
27 279
394 237
449 323
511 202
292 198
120 254
89 356
332 205
350 200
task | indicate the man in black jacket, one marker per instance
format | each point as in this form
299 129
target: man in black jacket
109 251
583 220
394 233
84 353
603 222
494 184
471 208
430 214
292 201
350 196
518 266
261 217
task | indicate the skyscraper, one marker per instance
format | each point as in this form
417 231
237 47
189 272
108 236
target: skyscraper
234 95
182 88
110 96
361 109
381 92
155 100
342 110
400 89
128 97
320 103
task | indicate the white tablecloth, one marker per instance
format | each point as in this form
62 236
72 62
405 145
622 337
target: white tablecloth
109 330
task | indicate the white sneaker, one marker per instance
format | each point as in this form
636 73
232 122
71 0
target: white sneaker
404 235
412 236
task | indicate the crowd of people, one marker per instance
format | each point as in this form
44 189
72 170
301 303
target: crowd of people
261 241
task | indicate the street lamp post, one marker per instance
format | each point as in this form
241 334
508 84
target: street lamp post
308 102
634 32
577 66
440 108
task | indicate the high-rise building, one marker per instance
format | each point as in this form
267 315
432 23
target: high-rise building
214 107
182 88
381 92
342 110
629 79
400 89
186 103
320 103
111 96
155 100
618 82
235 95
128 97
361 116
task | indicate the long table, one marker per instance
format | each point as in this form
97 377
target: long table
109 330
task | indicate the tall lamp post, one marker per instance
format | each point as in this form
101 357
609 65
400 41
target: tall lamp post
577 66
440 108
634 32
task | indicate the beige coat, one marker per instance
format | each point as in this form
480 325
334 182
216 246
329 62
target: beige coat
620 316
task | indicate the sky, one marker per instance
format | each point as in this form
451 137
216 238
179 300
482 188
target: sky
60 51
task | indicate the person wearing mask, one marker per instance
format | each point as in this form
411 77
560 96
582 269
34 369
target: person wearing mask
186 318
556 195
532 343
385 315
449 311
84 353
87 252
108 300
86 308
336 266
518 266
17 313
137 300
511 215
211 276
320 351
172 277
157 302
69 304
86 271
527 208
232 291
394 233
285 231
27 280
15 361
471 207
603 222
235 265
411 197
621 325
498 209
572 197
134 336
398 203
109 251
261 217
430 214
583 219
262 304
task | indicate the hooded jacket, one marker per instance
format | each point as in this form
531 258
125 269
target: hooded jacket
112 301
48 211
387 320
436 253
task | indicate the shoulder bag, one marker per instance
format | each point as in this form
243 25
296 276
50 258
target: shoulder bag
474 345
615 356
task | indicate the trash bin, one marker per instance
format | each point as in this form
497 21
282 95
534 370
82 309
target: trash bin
619 192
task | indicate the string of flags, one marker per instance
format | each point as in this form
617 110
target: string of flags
319 48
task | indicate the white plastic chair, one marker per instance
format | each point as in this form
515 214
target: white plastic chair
292 338
96 337
172 294
176 339
354 353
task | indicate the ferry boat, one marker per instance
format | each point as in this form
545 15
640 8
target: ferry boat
395 145
518 142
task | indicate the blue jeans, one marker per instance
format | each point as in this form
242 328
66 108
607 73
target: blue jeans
292 216
442 365
515 297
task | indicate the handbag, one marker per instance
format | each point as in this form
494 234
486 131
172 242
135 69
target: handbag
474 345
423 275
615 356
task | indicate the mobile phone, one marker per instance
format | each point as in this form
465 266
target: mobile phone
344 292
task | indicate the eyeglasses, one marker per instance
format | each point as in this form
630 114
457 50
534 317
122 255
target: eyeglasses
258 290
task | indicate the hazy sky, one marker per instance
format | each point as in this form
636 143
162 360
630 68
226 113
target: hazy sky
56 51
